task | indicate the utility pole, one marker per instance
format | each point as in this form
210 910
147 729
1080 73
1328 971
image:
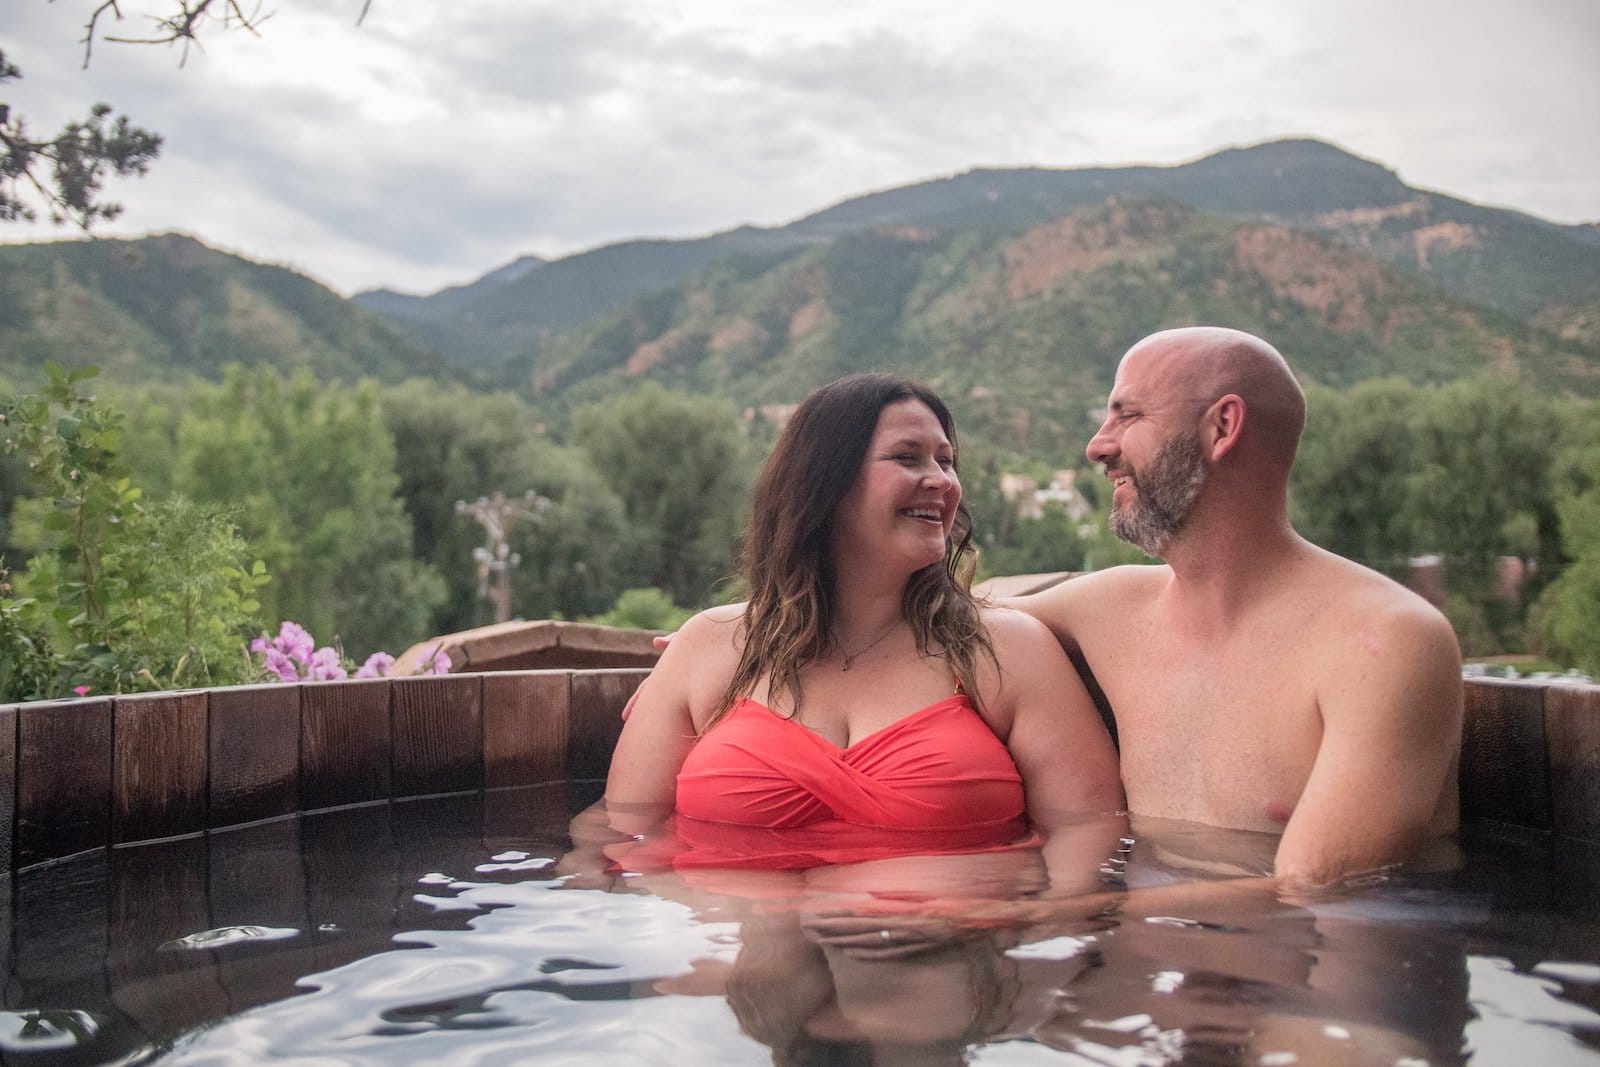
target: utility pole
497 514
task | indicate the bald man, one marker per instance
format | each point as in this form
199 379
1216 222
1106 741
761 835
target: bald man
1257 681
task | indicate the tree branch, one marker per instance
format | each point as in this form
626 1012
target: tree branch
85 153
80 158
182 25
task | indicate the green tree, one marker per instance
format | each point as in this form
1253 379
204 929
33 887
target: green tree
1051 542
582 553
71 447
68 171
13 482
29 666
455 444
1569 611
192 594
118 594
1351 485
152 414
1480 489
681 467
311 467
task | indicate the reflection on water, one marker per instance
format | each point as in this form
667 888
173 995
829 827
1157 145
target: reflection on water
468 930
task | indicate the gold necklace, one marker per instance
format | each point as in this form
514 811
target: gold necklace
851 657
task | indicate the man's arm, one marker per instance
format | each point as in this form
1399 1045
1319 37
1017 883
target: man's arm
1385 773
1088 603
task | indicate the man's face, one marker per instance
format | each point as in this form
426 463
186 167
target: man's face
1150 503
1151 451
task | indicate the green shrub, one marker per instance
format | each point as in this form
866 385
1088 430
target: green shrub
645 609
118 595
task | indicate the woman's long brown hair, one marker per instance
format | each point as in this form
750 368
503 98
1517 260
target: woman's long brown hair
786 560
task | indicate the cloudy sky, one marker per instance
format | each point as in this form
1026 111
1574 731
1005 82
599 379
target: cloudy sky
438 140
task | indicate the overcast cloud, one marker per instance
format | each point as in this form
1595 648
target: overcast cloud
440 140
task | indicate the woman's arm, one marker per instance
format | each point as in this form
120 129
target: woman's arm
658 734
1062 750
1056 737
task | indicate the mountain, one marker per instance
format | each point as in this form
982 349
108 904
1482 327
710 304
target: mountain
1013 291
446 302
1020 327
524 312
169 306
1503 260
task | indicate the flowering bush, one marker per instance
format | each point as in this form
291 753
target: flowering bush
292 656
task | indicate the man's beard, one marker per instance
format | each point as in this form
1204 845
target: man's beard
1163 495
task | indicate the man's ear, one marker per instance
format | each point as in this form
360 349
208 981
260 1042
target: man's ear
1223 425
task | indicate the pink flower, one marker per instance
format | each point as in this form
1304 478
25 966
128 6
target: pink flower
282 666
81 690
377 666
436 662
325 666
294 642
260 644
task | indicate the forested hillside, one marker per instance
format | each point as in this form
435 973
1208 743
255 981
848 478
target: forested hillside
165 307
1013 290
1538 274
1022 329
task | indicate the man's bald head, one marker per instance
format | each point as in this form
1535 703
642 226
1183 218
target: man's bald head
1204 363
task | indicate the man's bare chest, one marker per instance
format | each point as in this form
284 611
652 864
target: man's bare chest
1223 732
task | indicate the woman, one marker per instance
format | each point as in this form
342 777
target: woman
860 696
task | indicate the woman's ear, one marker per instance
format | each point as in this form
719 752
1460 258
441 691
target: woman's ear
1223 425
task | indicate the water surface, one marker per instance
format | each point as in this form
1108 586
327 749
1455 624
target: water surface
466 930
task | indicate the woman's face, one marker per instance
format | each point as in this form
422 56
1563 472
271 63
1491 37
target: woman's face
903 503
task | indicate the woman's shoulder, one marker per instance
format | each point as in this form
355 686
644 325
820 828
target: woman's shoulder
706 633
1028 655
1012 631
720 620
1025 655
697 663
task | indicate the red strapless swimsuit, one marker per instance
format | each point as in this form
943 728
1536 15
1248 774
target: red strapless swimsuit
939 769
762 791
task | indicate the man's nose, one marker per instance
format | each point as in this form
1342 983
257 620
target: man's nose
1102 448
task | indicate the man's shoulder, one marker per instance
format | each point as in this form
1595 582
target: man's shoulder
1132 579
1073 604
1093 603
1358 589
1370 614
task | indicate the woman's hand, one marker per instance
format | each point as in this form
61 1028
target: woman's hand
878 937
